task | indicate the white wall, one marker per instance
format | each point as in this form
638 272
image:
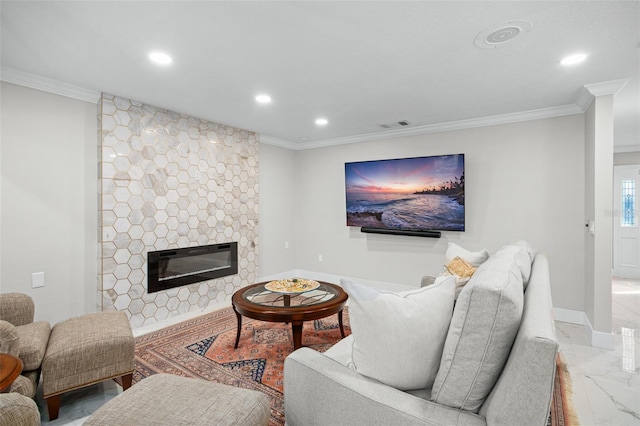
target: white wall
278 210
523 180
48 190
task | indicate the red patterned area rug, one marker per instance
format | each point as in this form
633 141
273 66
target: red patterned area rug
562 410
203 348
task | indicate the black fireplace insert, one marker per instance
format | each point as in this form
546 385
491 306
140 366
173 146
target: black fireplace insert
174 268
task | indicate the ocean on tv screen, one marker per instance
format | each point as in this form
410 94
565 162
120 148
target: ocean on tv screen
414 211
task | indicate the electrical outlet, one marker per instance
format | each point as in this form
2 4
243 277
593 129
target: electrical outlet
286 244
319 258
37 279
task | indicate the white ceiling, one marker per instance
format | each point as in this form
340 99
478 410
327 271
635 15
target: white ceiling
359 64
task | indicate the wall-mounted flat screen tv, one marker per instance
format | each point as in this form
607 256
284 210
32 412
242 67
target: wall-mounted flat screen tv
419 194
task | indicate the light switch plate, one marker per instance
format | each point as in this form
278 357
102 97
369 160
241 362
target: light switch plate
37 279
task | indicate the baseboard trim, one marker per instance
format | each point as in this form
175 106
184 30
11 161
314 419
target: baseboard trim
598 339
214 305
568 315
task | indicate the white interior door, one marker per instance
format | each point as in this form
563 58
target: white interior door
626 230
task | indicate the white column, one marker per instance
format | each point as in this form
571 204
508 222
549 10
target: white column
598 210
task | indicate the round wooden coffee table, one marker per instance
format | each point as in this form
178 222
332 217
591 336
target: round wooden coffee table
256 302
10 369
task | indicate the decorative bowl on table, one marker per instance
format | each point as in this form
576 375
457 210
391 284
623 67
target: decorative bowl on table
291 286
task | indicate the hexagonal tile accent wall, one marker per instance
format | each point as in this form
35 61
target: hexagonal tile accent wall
171 181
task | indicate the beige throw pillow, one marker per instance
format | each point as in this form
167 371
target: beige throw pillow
459 267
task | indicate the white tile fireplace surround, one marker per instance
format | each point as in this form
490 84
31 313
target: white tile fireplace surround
171 181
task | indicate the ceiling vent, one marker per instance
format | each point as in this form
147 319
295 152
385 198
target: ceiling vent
401 123
498 35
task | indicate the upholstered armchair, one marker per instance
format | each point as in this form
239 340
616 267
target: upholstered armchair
18 410
21 337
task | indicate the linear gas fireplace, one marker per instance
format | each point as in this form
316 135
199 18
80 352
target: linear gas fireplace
175 268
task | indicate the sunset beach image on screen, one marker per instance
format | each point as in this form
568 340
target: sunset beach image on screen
422 193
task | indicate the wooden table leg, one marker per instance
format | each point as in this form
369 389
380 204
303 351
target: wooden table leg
287 302
239 317
340 323
296 327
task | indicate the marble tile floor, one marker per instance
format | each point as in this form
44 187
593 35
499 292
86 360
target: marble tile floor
606 384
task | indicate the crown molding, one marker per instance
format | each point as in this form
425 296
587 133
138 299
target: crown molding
270 140
447 127
606 87
585 98
590 91
33 81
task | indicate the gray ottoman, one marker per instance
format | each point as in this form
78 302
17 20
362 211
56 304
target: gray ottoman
165 399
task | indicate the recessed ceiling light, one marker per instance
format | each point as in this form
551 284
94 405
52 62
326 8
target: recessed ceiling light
160 58
322 121
573 59
263 99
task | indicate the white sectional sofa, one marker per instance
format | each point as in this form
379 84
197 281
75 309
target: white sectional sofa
489 374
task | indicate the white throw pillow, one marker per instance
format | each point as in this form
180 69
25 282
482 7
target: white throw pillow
475 258
398 337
